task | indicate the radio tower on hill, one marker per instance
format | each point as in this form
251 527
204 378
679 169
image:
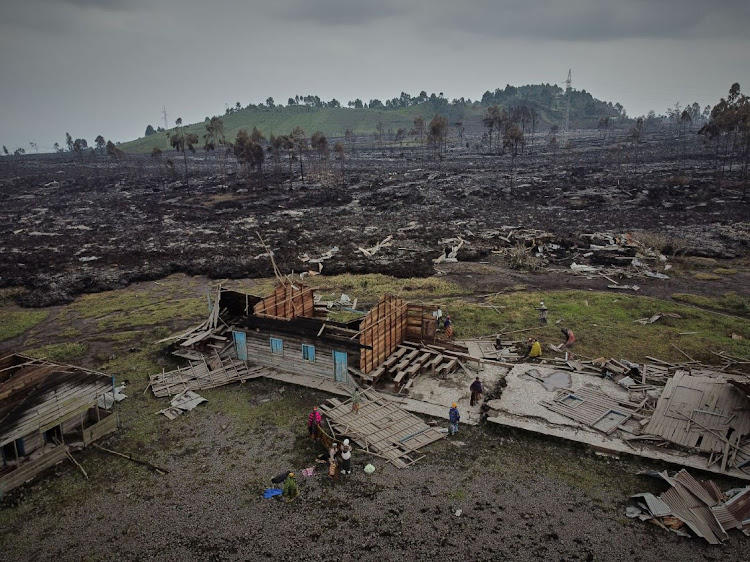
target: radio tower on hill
566 123
164 115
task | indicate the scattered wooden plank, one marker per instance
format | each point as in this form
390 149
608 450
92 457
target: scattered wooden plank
132 458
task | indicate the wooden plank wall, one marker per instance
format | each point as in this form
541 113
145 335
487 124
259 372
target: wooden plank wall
384 328
421 324
259 351
100 429
288 301
28 470
727 404
56 406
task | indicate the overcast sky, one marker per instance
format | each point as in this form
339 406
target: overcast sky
108 66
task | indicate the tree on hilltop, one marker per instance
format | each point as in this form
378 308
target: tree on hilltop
319 143
299 140
437 134
182 141
216 137
249 152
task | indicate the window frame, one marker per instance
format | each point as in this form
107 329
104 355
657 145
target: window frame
279 349
310 355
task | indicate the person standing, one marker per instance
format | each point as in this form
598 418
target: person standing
290 491
334 469
346 457
542 313
356 401
438 314
476 392
313 424
448 325
453 417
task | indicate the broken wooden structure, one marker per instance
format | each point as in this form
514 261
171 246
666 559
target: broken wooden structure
206 372
381 428
697 505
696 421
594 409
43 406
707 414
288 331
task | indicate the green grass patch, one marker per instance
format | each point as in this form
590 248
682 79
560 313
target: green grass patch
703 276
699 262
126 336
330 121
69 333
725 271
15 322
237 403
604 324
61 352
369 288
729 302
344 315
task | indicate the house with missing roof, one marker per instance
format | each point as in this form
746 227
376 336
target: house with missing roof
46 407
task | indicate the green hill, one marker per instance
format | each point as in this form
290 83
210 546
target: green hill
549 102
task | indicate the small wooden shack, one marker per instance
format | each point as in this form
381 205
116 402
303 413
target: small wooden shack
284 331
290 331
43 406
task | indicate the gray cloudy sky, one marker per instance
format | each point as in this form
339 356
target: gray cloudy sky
108 66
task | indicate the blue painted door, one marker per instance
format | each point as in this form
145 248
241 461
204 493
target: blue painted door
340 366
240 345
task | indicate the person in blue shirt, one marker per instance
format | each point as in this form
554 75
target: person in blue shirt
453 417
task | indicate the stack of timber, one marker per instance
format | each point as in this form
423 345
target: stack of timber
198 375
381 428
410 360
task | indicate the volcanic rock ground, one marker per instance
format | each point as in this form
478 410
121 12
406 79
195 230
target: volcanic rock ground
72 225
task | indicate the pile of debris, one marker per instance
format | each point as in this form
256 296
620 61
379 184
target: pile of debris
709 415
696 505
380 427
605 254
200 374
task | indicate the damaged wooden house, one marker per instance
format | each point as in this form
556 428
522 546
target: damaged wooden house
44 407
291 330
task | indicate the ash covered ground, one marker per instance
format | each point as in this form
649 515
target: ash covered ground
72 224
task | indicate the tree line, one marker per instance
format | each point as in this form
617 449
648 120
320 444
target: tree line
250 149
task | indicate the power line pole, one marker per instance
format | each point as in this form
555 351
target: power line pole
568 88
164 115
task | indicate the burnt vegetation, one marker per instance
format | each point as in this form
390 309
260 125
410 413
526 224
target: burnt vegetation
95 218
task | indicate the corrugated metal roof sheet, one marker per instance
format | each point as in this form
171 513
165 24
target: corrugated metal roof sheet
657 507
695 488
739 505
725 518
